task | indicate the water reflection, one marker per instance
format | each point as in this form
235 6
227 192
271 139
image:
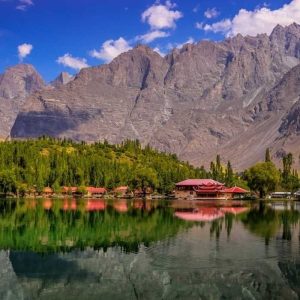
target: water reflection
55 249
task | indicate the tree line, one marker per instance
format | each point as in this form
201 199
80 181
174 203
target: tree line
47 162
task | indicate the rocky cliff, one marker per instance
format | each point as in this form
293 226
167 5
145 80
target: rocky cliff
206 98
16 83
62 79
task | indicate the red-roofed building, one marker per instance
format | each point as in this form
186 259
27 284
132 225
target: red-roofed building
235 192
96 191
205 189
69 190
122 191
200 188
47 192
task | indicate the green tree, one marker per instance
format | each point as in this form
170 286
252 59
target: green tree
8 183
145 178
229 177
268 155
263 178
289 178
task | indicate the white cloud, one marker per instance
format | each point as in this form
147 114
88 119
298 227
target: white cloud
211 13
223 26
160 16
24 4
156 49
260 20
199 25
72 62
24 50
111 49
151 36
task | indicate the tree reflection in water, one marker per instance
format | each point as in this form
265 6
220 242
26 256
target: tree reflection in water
265 221
63 225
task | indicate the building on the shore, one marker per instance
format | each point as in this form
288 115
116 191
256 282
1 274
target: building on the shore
206 189
236 192
297 195
48 192
122 191
95 191
69 190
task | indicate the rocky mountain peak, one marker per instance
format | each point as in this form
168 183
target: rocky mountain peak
16 83
19 81
62 79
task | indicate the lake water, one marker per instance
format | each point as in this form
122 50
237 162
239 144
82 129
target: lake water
134 249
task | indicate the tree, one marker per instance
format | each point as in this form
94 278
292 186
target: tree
268 155
263 178
216 169
290 179
229 178
8 183
144 178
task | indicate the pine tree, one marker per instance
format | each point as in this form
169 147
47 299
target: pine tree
268 155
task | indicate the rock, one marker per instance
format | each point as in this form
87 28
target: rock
16 83
62 79
204 99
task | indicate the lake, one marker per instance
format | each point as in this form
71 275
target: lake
135 249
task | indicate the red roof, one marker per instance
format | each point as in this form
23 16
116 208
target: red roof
236 190
96 190
199 182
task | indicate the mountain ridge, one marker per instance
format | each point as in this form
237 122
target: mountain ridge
193 102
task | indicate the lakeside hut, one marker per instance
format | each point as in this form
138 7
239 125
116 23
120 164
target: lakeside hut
122 191
96 191
48 192
69 190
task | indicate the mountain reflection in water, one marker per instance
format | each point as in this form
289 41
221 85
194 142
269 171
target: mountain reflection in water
134 249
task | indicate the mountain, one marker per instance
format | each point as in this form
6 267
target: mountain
234 97
62 79
16 83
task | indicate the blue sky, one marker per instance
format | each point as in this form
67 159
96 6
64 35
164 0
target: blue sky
67 35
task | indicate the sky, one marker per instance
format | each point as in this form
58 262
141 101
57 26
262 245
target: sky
67 35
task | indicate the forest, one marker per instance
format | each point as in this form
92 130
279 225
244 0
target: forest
48 162
34 164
